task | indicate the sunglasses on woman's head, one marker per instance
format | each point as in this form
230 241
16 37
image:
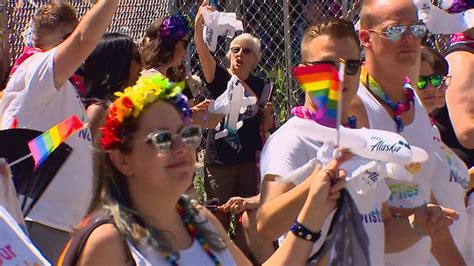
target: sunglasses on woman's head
352 66
163 140
395 32
436 80
245 50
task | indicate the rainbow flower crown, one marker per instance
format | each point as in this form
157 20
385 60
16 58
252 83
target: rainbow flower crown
132 101
175 27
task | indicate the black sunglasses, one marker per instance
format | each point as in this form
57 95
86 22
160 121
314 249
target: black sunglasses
163 140
352 65
245 50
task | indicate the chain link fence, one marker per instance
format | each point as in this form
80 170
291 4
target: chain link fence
277 23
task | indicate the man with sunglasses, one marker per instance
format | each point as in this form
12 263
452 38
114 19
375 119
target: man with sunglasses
290 148
391 37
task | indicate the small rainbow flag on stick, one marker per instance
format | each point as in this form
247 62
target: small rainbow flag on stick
322 83
47 142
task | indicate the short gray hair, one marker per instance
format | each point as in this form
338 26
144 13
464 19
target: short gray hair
254 41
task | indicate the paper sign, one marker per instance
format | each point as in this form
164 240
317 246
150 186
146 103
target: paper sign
15 246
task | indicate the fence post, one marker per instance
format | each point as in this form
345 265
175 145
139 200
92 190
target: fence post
5 51
287 38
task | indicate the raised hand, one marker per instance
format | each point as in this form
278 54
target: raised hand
327 184
431 219
237 205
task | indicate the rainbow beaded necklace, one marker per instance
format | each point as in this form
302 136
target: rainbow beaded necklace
398 108
195 235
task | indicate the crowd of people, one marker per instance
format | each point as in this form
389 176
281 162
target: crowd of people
121 196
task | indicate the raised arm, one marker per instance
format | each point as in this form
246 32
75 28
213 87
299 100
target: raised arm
208 64
460 96
74 50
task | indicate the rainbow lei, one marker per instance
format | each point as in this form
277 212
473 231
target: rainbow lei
149 88
194 234
175 27
398 108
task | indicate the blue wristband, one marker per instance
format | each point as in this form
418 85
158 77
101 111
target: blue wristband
302 232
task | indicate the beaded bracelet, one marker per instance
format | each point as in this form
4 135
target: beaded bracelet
301 231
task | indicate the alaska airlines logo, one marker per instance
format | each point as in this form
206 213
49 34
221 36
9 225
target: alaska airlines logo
381 145
372 176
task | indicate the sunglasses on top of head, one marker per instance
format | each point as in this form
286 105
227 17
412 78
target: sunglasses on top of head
164 140
352 65
436 80
395 32
245 50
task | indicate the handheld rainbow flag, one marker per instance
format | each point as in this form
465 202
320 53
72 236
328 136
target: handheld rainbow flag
322 83
42 146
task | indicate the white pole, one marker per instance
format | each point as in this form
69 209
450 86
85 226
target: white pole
20 160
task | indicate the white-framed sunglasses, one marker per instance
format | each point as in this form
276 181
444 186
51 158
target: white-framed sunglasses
165 140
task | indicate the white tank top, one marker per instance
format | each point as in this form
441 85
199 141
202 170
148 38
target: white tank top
407 194
145 255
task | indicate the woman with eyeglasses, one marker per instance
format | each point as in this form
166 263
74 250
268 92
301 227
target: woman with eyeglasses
114 65
144 162
232 169
451 181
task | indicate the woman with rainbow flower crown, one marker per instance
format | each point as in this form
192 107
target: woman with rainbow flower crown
139 214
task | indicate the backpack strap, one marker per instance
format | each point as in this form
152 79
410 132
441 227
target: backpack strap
73 249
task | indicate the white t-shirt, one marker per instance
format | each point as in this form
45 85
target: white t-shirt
449 186
32 98
407 194
289 149
470 230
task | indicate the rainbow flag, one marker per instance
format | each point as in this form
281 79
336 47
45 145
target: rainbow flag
47 142
322 83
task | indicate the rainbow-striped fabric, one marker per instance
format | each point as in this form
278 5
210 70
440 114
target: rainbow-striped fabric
47 142
322 83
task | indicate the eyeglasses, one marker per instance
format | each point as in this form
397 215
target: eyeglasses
352 66
395 32
436 81
245 50
163 140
